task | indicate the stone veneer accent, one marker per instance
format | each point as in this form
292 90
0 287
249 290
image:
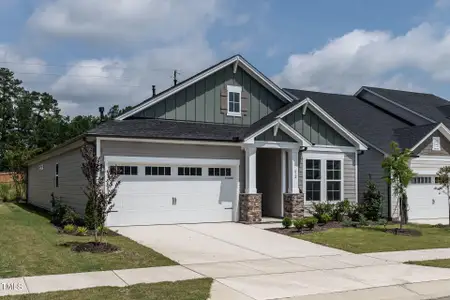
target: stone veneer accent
250 210
294 205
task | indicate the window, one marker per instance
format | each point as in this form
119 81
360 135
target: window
424 180
334 183
234 100
189 171
436 143
219 171
57 175
125 170
313 179
157 171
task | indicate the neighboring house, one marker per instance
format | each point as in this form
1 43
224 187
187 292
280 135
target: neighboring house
415 121
224 145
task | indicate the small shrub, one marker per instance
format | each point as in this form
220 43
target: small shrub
82 231
310 222
321 208
287 222
61 213
355 211
372 202
363 220
382 222
324 218
341 210
69 228
347 222
299 224
69 216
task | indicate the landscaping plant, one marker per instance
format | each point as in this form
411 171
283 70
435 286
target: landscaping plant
323 218
299 224
287 222
320 209
69 228
310 222
443 180
101 188
347 222
398 174
81 231
372 201
341 210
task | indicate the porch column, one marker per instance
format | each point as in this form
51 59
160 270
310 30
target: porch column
293 171
250 170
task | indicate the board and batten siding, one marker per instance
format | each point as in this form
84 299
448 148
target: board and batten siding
41 183
314 129
123 148
201 101
349 180
426 148
369 167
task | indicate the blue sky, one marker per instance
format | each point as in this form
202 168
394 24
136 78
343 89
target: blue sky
105 52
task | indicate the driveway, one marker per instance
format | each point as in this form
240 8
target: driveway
251 263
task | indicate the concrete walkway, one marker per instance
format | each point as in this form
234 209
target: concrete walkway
412 255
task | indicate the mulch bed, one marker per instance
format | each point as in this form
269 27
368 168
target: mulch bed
317 228
92 247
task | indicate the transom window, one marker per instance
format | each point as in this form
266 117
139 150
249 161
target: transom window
334 182
234 100
189 171
157 171
423 180
219 171
313 179
125 170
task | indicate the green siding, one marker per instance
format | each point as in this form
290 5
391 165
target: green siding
201 101
280 137
314 129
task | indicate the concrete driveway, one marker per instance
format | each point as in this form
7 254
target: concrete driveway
251 263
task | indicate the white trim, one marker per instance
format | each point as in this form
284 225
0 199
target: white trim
235 66
171 161
367 89
235 59
442 129
250 170
164 141
305 108
292 158
238 90
283 179
274 145
98 147
323 157
435 158
293 108
275 129
356 177
59 150
340 149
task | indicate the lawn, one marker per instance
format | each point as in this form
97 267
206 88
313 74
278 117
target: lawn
373 239
440 263
197 289
30 245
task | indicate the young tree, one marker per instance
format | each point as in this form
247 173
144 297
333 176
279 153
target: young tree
398 175
443 179
101 188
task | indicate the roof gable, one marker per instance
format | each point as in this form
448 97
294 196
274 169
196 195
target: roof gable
235 61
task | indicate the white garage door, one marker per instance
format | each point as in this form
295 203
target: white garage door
426 204
155 192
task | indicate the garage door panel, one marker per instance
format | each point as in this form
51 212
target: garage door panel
425 202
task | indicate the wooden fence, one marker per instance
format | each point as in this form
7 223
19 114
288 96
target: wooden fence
6 177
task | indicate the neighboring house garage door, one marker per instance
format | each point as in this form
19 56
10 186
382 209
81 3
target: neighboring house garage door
174 190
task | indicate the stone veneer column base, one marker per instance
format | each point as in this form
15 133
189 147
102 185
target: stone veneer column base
250 210
294 205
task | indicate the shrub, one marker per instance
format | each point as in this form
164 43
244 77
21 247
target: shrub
341 210
299 224
69 216
310 222
321 208
347 222
372 202
69 228
382 222
355 211
324 218
287 222
61 213
363 220
81 231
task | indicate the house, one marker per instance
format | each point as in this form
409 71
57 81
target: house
227 144
416 121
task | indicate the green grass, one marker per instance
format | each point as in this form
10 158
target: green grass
197 289
439 263
30 245
373 239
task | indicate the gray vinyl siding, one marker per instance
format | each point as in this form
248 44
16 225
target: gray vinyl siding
427 146
120 148
314 129
280 137
369 166
200 102
41 183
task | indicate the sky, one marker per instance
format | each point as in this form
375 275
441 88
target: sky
100 53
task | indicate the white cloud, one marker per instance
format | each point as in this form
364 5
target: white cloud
366 57
124 20
237 45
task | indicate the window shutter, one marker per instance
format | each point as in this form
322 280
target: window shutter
245 102
223 100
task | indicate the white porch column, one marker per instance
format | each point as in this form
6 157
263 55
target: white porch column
293 171
250 170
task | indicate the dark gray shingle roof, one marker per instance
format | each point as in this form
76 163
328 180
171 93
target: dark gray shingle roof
170 129
409 137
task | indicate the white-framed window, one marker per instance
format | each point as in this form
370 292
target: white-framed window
125 170
436 145
234 101
334 180
323 176
157 171
219 171
189 171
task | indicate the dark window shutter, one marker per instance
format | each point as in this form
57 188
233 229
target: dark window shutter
223 100
245 102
